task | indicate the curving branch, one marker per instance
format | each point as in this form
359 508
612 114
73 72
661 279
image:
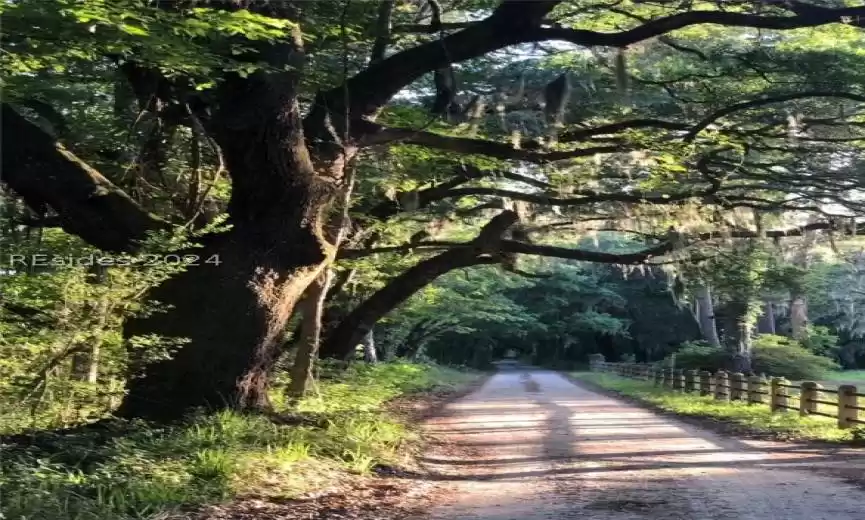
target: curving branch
514 22
584 197
485 147
462 174
667 24
582 134
47 175
754 103
797 231
639 257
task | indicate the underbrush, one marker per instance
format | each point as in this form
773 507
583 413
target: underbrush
846 375
755 417
152 472
775 355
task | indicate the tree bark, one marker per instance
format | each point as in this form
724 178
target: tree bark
312 307
370 354
85 364
706 315
47 175
234 314
766 322
742 356
744 325
799 316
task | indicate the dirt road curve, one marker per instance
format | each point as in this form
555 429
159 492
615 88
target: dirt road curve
543 448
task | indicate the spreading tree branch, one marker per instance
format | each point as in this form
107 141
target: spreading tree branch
754 103
45 174
481 146
514 22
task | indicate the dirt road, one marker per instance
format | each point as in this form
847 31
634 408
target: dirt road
539 447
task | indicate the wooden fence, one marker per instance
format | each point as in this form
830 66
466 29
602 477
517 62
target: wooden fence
809 398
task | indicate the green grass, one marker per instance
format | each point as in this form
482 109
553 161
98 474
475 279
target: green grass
152 472
754 417
847 375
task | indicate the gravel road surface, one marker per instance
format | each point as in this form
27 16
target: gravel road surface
535 446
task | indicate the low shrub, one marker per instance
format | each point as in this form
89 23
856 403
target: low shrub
784 357
771 354
699 355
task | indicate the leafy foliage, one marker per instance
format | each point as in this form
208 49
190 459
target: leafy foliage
773 355
783 357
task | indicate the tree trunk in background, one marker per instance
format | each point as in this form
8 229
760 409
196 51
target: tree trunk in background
345 337
706 315
93 366
741 355
766 322
342 341
799 316
369 353
798 298
312 308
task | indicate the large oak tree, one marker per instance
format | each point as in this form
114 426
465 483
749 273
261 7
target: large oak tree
293 120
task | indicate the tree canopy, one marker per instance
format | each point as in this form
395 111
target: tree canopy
305 168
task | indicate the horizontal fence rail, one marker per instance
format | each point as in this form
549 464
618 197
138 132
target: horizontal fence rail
808 398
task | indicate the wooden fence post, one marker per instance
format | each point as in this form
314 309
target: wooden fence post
705 383
738 387
809 391
657 375
755 386
722 384
670 377
691 378
679 382
847 403
779 395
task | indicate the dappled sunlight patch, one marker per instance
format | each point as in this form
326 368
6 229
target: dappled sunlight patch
225 455
757 418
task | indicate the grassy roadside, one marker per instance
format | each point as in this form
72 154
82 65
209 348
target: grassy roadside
746 418
152 472
847 375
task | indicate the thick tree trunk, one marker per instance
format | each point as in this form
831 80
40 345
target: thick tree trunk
235 313
766 322
312 307
234 316
799 316
706 315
